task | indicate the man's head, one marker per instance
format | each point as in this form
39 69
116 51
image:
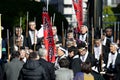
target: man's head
70 34
33 56
82 48
113 47
54 30
18 31
108 31
42 53
70 43
97 42
32 25
61 51
22 53
83 29
72 51
86 67
15 54
64 63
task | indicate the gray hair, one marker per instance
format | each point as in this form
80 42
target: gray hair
85 27
32 23
54 27
115 44
42 52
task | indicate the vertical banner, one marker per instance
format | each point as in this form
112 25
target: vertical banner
48 36
79 12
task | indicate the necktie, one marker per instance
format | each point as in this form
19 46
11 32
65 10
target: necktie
82 58
82 37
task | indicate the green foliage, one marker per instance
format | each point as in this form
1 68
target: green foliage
108 17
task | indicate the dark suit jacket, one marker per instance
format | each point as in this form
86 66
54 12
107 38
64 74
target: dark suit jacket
29 43
49 69
12 43
76 63
1 73
117 66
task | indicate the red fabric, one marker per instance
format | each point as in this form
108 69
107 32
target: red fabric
48 37
79 12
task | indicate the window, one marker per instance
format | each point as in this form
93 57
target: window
113 1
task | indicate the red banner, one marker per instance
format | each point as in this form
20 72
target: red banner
79 12
48 37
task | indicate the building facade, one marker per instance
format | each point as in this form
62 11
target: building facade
67 9
112 3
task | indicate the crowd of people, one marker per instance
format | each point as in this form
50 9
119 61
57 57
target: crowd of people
74 61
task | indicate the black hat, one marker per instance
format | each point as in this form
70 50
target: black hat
81 45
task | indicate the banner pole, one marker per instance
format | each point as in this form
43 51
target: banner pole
27 25
8 45
47 4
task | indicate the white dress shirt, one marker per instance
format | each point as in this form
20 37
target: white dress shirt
111 59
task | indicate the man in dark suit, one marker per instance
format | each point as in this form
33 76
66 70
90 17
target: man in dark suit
61 53
112 62
32 70
99 52
85 56
49 67
108 37
32 39
84 33
18 40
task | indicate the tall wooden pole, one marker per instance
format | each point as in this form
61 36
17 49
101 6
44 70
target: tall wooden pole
14 38
8 45
53 19
35 38
63 35
20 21
35 20
27 24
95 15
118 30
101 56
115 32
92 35
20 32
47 4
0 38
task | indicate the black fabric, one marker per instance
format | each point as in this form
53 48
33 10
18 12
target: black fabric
97 76
49 69
32 70
29 43
1 73
115 70
108 43
76 63
12 43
